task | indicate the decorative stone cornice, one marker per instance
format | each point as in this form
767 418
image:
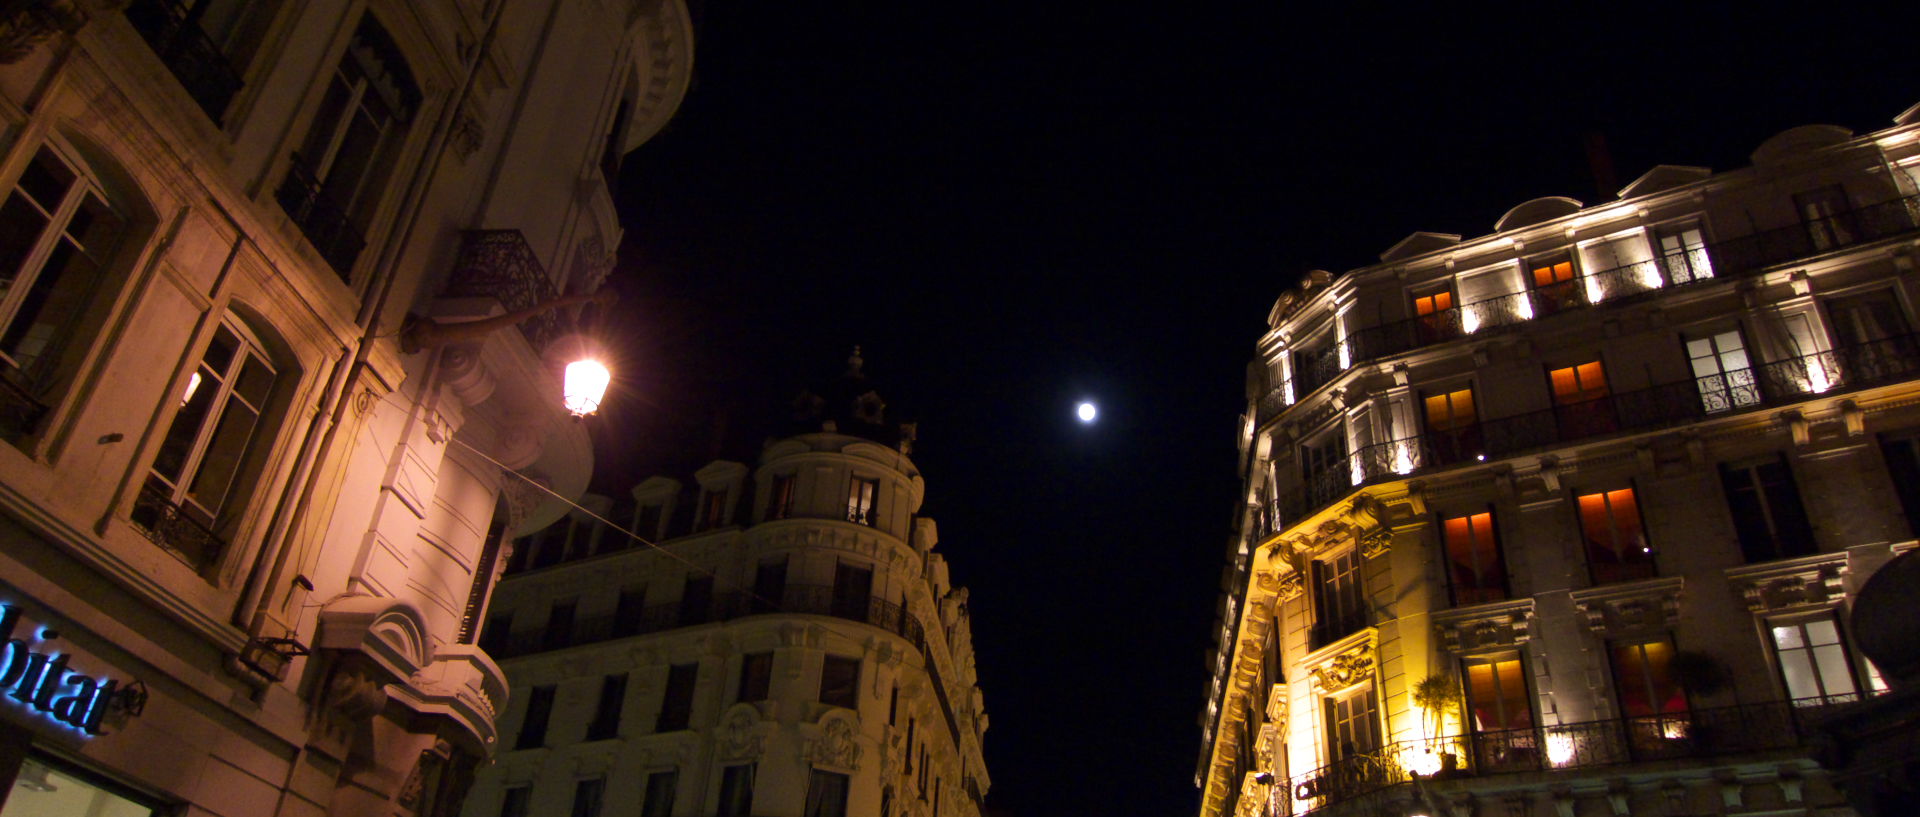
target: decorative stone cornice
1277 705
1485 626
1615 609
1809 581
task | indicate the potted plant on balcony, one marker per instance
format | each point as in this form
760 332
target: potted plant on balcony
1438 695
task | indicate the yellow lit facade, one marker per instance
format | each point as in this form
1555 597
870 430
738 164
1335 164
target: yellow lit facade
1567 519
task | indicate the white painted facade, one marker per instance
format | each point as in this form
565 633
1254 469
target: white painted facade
770 590
1615 471
228 480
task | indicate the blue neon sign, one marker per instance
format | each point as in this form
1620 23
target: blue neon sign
42 681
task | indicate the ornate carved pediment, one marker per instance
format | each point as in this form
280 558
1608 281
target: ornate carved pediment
1617 609
1504 624
836 746
1810 581
1345 668
1291 586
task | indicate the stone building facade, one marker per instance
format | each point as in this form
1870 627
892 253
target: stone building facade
1567 519
255 480
773 639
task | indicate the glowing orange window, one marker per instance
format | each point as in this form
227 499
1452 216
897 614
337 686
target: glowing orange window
1549 273
1578 384
1451 411
1436 302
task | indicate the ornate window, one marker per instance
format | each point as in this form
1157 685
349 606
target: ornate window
756 677
1649 690
1339 600
1474 568
1617 547
840 681
58 238
659 797
1813 660
606 712
1453 431
533 724
1580 406
1767 514
1554 286
1496 692
1722 372
1683 254
207 44
337 178
736 791
213 449
780 497
826 795
861 497
676 708
1352 724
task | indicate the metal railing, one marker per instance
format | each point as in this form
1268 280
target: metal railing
1701 733
323 221
805 599
174 34
156 515
501 265
1736 257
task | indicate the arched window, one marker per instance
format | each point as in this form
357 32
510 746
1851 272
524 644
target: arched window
203 472
58 237
340 172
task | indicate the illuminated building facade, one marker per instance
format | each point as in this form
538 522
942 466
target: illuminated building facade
1567 519
792 646
253 442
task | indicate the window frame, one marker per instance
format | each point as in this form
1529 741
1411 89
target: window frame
831 695
1738 389
1776 513
1474 526
1333 718
1849 658
1645 541
1338 611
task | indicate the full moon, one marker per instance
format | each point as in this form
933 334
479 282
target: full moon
1086 412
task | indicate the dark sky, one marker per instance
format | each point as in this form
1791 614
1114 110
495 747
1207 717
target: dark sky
1013 206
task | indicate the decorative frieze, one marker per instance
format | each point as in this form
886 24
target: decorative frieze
1810 581
1616 609
1486 626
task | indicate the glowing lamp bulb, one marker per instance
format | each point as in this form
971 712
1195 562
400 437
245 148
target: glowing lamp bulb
586 383
1086 412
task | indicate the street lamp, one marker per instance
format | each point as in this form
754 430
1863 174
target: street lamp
586 383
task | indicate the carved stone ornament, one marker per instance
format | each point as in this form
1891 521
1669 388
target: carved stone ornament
1277 705
27 25
836 747
1616 609
1375 542
1504 624
739 736
1292 586
1813 581
1348 667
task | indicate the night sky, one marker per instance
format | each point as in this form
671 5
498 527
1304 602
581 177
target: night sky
1011 207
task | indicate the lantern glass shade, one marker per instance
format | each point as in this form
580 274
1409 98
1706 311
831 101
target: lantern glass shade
586 384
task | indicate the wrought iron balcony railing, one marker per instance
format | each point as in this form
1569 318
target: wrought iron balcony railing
806 599
1736 257
170 526
1701 733
173 32
1850 368
323 221
500 264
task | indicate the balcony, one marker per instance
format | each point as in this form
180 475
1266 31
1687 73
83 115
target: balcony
323 221
172 527
174 34
1851 368
501 265
1737 257
1703 733
803 599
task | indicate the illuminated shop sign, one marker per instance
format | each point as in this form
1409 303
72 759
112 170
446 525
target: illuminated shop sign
36 675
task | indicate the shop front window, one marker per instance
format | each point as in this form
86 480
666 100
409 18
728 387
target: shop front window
48 789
